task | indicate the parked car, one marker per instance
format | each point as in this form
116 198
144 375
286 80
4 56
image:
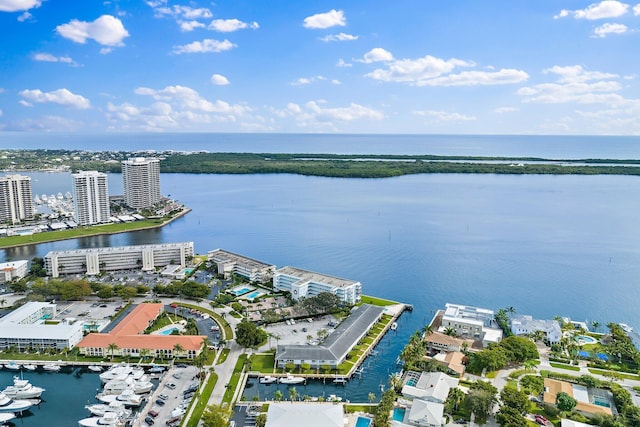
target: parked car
541 420
160 402
163 396
171 386
149 421
152 414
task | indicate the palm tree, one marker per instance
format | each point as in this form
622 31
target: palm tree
450 331
112 348
177 349
595 324
3 302
144 353
455 397
277 395
511 310
293 394
371 397
529 365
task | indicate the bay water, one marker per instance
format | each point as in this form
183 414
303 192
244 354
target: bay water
546 245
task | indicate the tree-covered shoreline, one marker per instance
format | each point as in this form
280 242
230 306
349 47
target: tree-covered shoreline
327 165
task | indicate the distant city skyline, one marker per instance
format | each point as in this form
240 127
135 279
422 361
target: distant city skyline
434 67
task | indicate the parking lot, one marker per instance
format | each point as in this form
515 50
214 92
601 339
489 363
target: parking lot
170 400
301 332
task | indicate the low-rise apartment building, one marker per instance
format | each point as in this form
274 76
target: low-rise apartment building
303 283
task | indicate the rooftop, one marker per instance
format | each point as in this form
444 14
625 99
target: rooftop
220 255
310 276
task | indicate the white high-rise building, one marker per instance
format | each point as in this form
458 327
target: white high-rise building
16 203
141 182
91 197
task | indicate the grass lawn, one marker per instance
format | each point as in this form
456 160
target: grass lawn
201 402
233 382
618 374
563 366
263 362
366 299
223 356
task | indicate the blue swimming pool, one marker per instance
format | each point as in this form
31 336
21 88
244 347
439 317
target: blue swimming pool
168 331
398 414
253 295
240 290
363 422
585 339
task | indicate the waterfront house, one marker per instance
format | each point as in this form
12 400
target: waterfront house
471 322
526 325
303 284
591 401
429 386
285 414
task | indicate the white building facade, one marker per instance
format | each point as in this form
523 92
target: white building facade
141 182
472 322
525 325
303 283
251 269
96 260
91 198
27 328
12 270
16 201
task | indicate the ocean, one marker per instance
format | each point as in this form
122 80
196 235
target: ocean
546 245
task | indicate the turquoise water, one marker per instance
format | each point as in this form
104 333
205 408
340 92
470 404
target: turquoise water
363 422
168 331
187 270
254 295
239 291
586 339
398 414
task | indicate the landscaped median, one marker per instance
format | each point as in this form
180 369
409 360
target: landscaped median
235 379
201 402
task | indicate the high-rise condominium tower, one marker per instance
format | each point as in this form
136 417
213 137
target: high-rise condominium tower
91 197
16 203
141 182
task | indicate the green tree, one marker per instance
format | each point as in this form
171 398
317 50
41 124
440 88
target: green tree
481 399
564 402
510 417
216 416
519 349
177 349
112 347
293 394
261 420
372 397
514 398
454 399
105 292
277 395
249 335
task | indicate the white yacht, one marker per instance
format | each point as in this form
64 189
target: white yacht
51 367
119 370
99 409
290 379
94 368
22 389
267 379
6 417
13 366
7 404
628 329
118 385
30 367
110 419
127 397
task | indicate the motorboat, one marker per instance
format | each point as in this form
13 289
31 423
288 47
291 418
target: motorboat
22 389
334 398
267 379
30 367
290 379
94 368
119 370
340 380
51 367
156 369
8 416
394 326
13 366
110 419
99 409
127 397
118 385
8 404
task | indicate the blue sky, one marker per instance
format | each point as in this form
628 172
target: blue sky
408 66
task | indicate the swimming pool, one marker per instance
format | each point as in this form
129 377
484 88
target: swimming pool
168 331
253 295
398 414
585 339
187 270
240 290
412 382
363 422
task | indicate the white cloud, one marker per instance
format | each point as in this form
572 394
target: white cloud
18 5
352 112
106 30
219 80
574 84
636 9
340 37
443 116
604 9
204 46
416 71
503 110
47 57
25 16
1 113
477 78
178 11
302 81
230 25
325 20
189 99
59 96
187 26
341 63
377 54
174 107
605 29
